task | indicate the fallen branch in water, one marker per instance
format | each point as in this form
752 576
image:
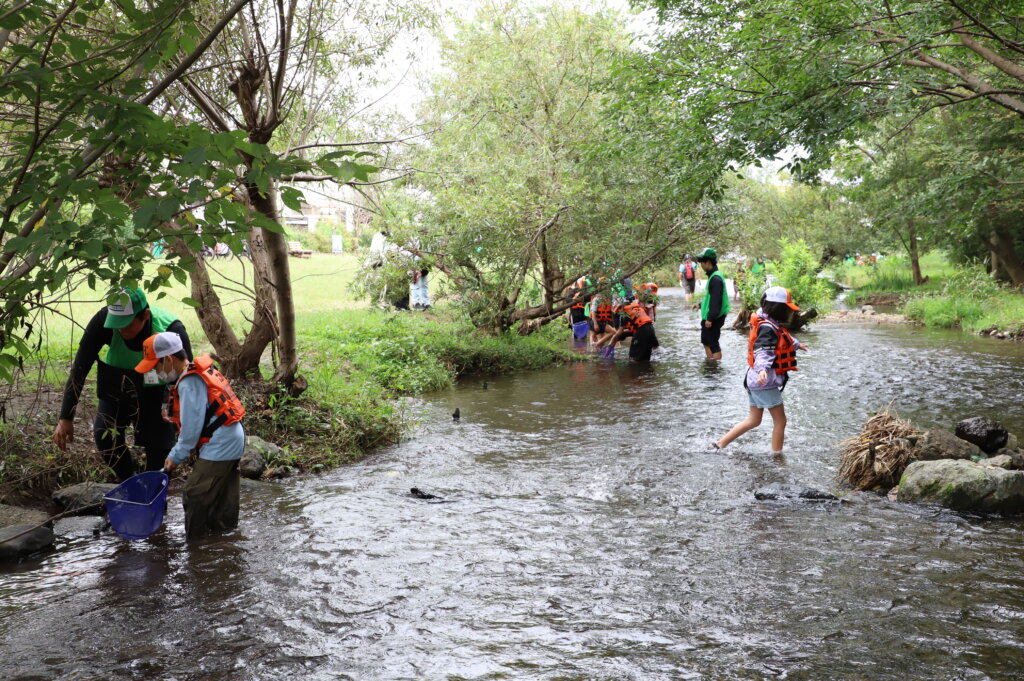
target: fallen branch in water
877 456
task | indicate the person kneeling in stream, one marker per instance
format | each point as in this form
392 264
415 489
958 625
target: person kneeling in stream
638 324
771 355
208 416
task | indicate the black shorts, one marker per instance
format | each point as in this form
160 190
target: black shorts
711 336
644 341
689 284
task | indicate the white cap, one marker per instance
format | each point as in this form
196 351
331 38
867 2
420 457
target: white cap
156 347
778 294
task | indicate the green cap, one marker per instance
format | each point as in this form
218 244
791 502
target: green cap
707 254
121 313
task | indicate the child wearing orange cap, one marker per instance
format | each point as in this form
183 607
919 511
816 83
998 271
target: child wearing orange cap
771 355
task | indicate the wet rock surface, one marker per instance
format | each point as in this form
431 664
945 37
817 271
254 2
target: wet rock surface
257 453
784 492
18 541
984 432
963 486
85 497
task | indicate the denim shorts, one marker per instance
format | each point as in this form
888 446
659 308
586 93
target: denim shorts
765 399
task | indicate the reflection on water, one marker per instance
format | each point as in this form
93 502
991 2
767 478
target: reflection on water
586 535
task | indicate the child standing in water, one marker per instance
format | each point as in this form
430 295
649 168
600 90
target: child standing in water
771 355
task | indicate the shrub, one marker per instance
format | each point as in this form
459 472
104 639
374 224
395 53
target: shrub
797 270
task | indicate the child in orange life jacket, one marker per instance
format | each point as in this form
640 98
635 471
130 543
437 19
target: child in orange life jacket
602 317
647 294
208 416
638 324
771 355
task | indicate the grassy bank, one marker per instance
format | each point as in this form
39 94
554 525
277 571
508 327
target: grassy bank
954 296
359 363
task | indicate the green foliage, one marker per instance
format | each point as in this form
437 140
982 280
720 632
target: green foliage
797 270
313 241
969 296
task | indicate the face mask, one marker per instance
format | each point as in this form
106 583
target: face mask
169 376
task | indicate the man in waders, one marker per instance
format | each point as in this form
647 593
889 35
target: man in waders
124 397
714 306
208 417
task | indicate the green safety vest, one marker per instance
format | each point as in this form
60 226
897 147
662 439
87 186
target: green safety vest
121 356
706 302
757 268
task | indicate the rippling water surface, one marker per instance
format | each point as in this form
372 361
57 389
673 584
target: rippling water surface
584 534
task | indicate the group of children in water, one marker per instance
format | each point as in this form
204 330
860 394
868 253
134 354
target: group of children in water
607 310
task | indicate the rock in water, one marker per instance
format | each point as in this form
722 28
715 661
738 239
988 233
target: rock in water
985 433
254 458
963 486
942 444
33 540
778 491
14 515
417 493
86 497
456 415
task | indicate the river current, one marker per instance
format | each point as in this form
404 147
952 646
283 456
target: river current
583 532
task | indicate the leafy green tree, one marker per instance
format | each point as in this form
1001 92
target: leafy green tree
524 188
90 172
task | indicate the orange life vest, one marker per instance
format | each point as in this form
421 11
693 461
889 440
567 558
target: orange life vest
636 316
785 352
650 287
603 313
224 406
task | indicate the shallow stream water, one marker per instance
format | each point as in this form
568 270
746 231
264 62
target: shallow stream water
584 533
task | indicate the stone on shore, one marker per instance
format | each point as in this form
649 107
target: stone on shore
34 539
780 492
257 452
942 444
14 515
253 462
963 486
1004 461
86 497
984 432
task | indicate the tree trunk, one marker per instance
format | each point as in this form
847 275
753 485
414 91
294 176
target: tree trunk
1002 246
915 258
279 277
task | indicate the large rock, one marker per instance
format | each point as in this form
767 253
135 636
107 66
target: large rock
86 497
984 432
942 444
14 515
780 492
963 486
27 539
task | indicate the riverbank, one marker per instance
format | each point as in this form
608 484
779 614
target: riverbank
952 297
360 364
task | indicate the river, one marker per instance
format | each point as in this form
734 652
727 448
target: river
584 533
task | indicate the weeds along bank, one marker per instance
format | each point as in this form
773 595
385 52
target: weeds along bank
359 363
953 296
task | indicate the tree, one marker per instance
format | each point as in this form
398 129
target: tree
91 173
282 71
524 188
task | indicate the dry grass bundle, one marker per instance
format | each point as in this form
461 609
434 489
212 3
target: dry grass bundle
877 456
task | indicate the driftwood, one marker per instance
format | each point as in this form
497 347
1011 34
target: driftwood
877 456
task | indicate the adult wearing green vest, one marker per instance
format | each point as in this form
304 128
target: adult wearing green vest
714 306
124 398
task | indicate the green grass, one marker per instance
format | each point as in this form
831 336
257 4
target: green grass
895 275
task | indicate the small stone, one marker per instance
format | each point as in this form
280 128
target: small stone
85 497
867 309
34 539
984 432
893 494
1011 441
252 464
1000 461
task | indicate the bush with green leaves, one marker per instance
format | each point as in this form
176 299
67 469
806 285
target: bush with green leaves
797 270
